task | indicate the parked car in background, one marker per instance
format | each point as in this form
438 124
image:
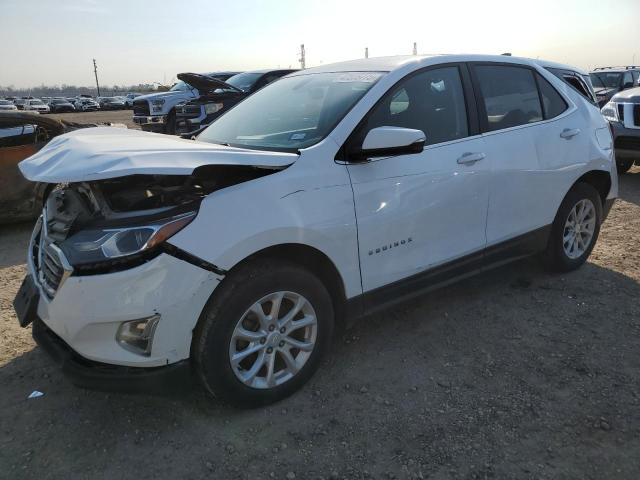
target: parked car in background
22 135
129 98
19 103
61 105
36 105
155 112
607 81
328 194
623 112
200 112
7 105
84 104
111 103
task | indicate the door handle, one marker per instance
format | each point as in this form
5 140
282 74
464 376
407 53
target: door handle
470 158
569 133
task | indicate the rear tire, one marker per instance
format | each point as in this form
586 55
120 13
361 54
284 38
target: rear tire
575 229
232 319
623 166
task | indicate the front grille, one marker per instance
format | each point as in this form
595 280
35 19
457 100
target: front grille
628 143
636 115
621 112
51 268
189 111
141 107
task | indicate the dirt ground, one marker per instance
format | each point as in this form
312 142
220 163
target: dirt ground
513 374
113 116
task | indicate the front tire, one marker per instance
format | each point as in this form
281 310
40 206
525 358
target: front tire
263 333
623 166
575 229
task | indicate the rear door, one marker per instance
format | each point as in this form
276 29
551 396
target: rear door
419 211
534 136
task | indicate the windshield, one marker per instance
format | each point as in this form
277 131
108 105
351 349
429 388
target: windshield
35 102
605 80
5 102
244 81
292 113
180 87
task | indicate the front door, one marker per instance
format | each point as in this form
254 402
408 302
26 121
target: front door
422 210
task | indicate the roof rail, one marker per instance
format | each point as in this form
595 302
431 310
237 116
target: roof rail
625 67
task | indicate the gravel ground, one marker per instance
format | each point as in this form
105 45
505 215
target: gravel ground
512 374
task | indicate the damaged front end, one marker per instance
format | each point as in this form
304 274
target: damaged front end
109 225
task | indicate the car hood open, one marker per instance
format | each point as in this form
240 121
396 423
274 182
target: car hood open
205 83
105 152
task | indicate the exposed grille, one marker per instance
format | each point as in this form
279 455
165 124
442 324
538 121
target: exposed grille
636 115
621 112
189 111
628 143
140 107
50 267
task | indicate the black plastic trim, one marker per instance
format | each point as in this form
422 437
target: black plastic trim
415 285
192 259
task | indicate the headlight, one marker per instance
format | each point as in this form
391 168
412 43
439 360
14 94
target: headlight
158 102
210 108
610 112
98 245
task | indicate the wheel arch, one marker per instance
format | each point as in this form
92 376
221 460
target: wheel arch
598 179
314 260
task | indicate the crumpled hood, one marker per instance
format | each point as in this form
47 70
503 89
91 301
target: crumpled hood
107 152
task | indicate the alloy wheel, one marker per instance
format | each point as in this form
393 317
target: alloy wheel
579 229
273 340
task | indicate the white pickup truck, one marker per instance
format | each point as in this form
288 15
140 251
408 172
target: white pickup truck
156 112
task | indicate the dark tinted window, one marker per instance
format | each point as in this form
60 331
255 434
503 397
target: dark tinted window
627 80
552 103
510 96
431 101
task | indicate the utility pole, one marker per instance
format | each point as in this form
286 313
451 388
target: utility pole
302 60
415 48
366 52
95 71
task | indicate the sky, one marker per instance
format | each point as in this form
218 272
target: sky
53 42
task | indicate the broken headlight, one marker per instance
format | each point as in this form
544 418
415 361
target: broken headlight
99 245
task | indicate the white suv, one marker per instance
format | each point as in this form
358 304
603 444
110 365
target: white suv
329 194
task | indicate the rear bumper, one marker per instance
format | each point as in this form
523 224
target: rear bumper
101 376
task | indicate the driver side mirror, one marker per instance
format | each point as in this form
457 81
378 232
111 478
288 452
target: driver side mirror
389 142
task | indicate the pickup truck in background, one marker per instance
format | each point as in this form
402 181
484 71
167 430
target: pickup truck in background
195 114
156 112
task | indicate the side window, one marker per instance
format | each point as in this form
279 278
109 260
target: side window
636 75
626 79
553 104
432 101
510 96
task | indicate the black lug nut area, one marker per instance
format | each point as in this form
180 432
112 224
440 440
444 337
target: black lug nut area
271 328
269 350
281 344
263 340
282 330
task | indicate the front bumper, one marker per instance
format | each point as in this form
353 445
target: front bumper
86 311
626 141
150 119
99 376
